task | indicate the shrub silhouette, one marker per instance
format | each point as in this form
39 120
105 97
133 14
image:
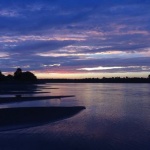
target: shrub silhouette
2 77
9 77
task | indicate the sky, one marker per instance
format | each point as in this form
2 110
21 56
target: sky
75 38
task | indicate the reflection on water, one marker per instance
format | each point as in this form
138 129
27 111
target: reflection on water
117 117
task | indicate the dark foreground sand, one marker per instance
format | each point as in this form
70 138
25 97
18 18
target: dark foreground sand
13 118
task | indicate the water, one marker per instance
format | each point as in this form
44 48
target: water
117 117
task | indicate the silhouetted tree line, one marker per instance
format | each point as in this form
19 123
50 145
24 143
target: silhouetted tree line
97 80
18 76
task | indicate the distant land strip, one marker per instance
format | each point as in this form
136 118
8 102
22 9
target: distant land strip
97 80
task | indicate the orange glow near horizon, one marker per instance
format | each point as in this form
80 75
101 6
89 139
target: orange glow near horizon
89 75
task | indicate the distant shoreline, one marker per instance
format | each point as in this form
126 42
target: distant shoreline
85 80
97 80
29 78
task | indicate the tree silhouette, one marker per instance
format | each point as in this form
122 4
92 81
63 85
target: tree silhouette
28 76
24 76
18 74
2 77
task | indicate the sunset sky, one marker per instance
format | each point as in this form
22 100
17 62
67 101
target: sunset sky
75 38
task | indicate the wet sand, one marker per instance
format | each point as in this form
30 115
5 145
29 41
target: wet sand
14 118
21 92
22 117
22 99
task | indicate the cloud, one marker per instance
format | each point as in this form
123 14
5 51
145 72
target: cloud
117 69
75 34
31 47
105 62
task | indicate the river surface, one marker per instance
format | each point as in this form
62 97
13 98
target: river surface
117 117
